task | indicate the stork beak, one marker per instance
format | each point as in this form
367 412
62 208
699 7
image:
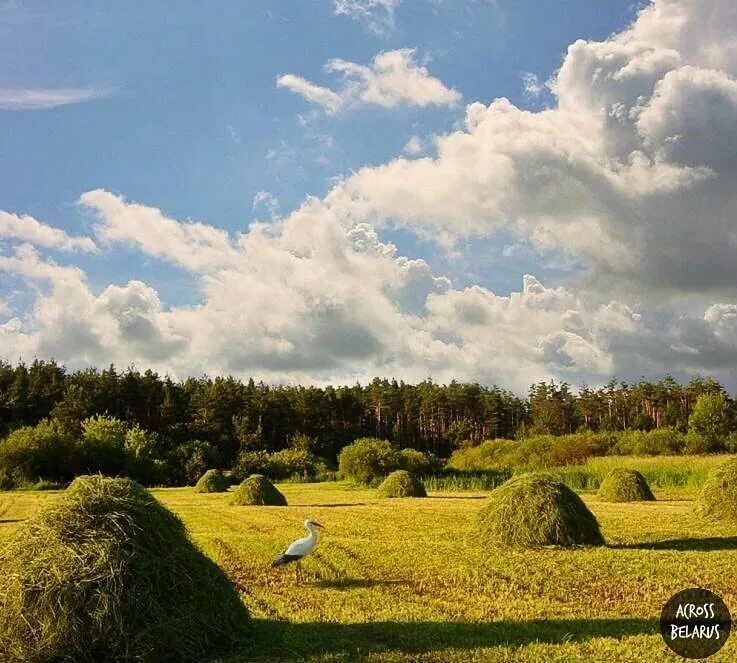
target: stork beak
316 524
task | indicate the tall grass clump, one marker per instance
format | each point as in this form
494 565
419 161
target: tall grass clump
718 499
106 573
212 481
453 481
623 485
257 490
534 510
402 484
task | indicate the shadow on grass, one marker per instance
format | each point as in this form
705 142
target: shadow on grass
11 520
334 504
352 583
457 497
286 641
712 543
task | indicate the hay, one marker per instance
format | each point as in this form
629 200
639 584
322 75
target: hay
718 498
622 485
536 510
402 484
258 490
106 573
212 481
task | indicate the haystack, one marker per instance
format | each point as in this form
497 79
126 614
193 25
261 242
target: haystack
536 510
212 481
718 498
622 485
402 484
258 490
106 573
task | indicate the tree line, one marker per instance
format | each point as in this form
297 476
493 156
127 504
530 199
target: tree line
231 415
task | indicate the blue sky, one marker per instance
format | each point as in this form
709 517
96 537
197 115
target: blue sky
193 110
162 115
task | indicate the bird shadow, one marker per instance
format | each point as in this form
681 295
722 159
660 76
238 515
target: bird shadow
287 641
355 583
712 543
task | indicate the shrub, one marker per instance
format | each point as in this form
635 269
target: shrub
623 485
710 419
401 483
416 462
102 447
367 460
695 443
718 498
259 491
535 510
105 572
35 452
6 481
212 481
292 463
252 462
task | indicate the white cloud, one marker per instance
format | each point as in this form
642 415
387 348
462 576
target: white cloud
414 146
267 200
393 78
15 99
28 229
532 85
376 15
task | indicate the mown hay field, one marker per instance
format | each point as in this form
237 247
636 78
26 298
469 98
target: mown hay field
405 579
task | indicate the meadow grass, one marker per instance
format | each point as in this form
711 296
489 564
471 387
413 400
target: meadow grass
405 580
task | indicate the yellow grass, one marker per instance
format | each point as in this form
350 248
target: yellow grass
402 580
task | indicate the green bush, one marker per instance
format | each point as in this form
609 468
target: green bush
535 510
401 483
102 446
710 418
656 442
696 443
106 573
36 452
718 498
416 462
623 485
290 463
367 460
252 462
257 490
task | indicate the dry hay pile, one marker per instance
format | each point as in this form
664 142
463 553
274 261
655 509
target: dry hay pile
402 484
536 510
622 485
212 481
106 573
718 498
259 491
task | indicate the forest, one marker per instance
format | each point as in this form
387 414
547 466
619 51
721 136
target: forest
218 418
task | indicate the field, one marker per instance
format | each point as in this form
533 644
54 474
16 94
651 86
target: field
404 580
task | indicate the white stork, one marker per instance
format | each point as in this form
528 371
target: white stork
299 549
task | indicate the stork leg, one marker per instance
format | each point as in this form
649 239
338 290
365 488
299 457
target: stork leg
298 572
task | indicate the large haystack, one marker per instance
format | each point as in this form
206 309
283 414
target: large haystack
622 485
212 481
536 510
402 484
106 573
718 499
259 491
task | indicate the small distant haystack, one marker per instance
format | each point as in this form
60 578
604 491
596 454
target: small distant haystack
622 485
536 510
258 490
106 573
212 481
718 499
402 484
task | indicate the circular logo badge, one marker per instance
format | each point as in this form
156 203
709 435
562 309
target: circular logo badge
695 623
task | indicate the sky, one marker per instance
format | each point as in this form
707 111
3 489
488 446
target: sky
332 190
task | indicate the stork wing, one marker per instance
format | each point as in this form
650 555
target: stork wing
300 547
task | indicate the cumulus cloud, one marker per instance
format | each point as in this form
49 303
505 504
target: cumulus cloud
393 78
28 229
17 99
632 171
